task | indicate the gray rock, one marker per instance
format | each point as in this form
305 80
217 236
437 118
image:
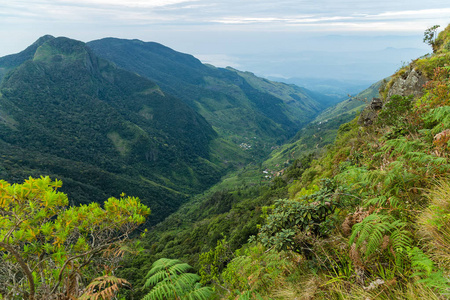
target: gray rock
409 83
376 104
369 114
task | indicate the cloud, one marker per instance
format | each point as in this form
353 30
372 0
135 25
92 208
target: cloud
121 3
287 14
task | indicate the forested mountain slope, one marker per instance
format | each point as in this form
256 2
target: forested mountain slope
102 130
241 107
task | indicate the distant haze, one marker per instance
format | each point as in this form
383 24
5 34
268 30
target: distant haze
346 40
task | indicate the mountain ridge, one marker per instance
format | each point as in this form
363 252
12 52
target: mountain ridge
216 93
67 105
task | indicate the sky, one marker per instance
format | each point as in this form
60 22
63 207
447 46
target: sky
347 40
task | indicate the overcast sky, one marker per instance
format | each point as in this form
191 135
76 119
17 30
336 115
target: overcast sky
286 38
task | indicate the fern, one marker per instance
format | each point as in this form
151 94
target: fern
377 201
373 228
248 295
420 262
169 280
104 288
440 116
424 268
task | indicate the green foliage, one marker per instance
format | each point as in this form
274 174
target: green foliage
379 232
395 111
48 245
430 35
309 214
214 261
169 280
254 272
428 65
426 270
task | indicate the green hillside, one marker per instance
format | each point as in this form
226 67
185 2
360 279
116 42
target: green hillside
14 60
354 104
102 130
250 112
322 131
368 219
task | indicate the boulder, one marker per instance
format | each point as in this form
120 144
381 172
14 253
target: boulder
369 114
409 83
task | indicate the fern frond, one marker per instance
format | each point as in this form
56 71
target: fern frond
420 261
179 268
161 291
372 230
170 280
105 287
184 281
377 201
162 264
200 293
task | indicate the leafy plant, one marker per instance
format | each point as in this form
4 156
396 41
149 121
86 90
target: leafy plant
379 232
425 269
104 288
429 36
169 280
255 272
396 112
309 214
214 261
47 247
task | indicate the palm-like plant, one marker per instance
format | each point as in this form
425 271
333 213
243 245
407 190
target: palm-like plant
169 280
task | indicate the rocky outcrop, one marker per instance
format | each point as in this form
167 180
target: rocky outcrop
369 114
409 83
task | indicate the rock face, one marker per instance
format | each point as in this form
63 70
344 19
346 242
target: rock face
370 112
376 104
409 83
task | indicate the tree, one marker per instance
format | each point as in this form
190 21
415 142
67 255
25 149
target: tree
429 36
169 280
49 250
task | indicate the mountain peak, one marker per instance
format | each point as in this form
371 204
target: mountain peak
14 60
60 47
43 39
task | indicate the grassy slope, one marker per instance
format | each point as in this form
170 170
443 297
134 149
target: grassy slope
322 130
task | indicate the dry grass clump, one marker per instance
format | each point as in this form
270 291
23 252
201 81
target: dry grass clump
434 224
